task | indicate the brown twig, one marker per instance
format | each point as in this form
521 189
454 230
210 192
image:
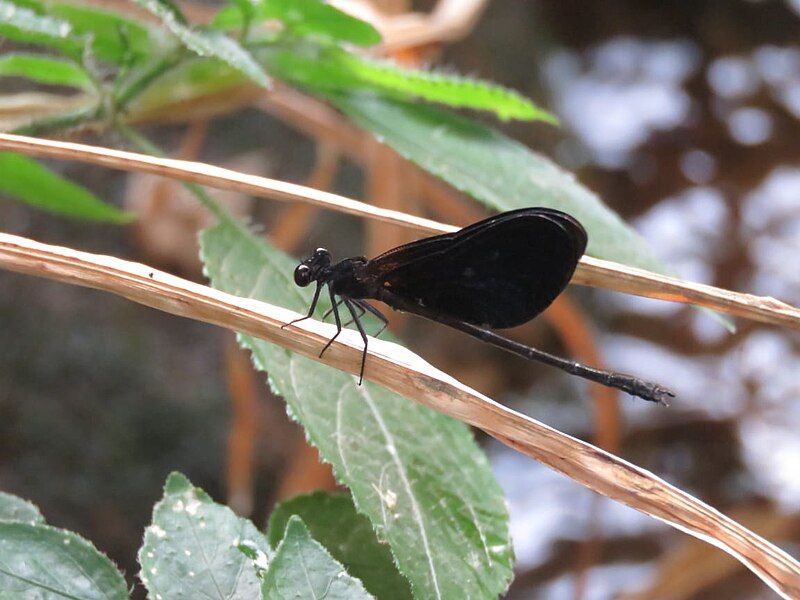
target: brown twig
591 271
244 428
304 472
590 549
573 329
294 221
317 120
388 185
397 369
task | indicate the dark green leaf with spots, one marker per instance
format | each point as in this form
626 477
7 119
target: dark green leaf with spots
191 549
13 508
45 563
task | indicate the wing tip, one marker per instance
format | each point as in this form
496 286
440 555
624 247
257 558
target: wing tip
572 226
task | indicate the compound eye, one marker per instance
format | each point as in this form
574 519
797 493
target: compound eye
302 275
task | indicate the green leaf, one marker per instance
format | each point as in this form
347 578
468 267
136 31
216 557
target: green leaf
302 568
44 69
453 90
115 38
23 24
191 548
334 522
416 474
13 508
212 44
306 18
495 170
328 68
28 181
42 562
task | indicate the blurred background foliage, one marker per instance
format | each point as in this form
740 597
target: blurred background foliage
682 116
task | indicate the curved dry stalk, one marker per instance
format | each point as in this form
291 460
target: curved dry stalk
596 272
21 109
591 271
35 105
212 176
400 370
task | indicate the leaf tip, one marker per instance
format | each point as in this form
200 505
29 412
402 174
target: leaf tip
295 526
176 482
123 217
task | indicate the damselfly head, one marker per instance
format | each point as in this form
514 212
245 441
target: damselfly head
308 270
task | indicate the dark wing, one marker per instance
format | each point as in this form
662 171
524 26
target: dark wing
499 272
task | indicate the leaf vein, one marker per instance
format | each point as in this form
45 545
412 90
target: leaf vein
404 476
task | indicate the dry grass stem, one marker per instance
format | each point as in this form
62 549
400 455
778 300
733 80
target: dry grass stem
210 175
400 370
591 271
